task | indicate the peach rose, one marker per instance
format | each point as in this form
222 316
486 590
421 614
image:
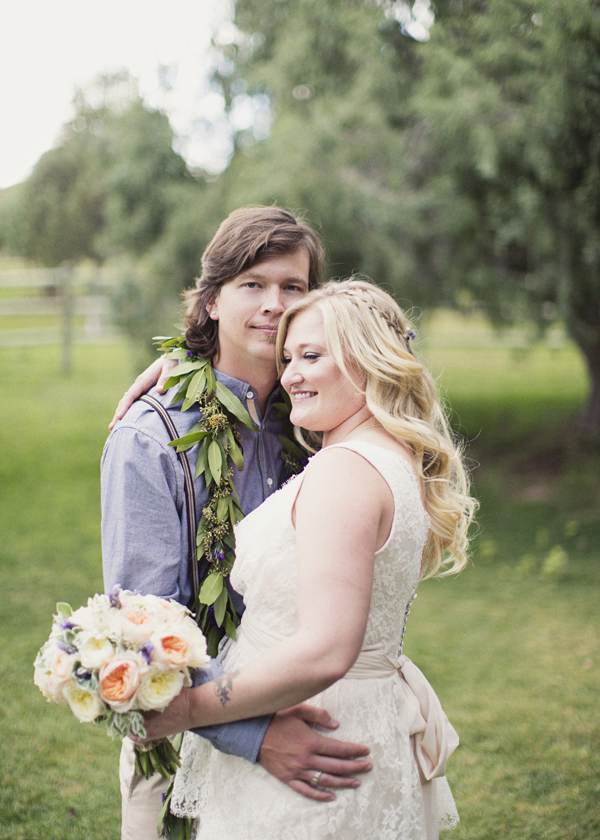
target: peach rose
179 647
170 647
120 679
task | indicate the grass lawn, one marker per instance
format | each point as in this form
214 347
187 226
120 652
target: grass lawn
511 645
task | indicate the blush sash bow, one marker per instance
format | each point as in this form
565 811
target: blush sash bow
434 737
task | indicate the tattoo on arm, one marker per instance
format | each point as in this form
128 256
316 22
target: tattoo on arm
223 687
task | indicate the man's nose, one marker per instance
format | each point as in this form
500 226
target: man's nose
273 302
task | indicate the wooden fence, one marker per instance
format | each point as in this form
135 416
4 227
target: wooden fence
62 306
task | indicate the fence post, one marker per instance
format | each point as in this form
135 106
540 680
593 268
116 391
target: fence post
65 275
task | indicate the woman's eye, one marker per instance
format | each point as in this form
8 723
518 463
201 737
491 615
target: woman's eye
311 356
285 362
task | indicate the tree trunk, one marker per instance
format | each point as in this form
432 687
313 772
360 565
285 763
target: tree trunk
583 322
589 420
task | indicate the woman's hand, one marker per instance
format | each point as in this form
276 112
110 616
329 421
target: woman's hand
157 374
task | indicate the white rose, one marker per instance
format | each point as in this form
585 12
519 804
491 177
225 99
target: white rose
85 617
85 704
136 625
51 688
158 687
95 652
61 664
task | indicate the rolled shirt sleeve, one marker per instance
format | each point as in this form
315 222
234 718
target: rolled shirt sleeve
242 738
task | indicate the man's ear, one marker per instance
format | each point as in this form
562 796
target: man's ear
213 309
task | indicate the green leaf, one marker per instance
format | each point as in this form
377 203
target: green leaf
293 448
238 513
178 353
190 367
232 404
211 382
222 508
194 390
219 606
230 627
170 341
215 460
208 476
183 384
196 386
201 461
211 588
229 540
235 453
224 461
213 639
64 610
186 442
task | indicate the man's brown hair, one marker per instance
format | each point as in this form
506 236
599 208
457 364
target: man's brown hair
246 237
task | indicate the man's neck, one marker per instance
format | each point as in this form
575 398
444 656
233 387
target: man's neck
262 378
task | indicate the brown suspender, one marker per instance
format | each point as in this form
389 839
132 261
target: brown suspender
190 498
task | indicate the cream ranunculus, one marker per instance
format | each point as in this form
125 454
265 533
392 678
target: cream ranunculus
120 679
158 687
95 652
85 704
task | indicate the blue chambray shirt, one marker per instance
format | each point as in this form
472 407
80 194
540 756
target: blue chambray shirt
144 528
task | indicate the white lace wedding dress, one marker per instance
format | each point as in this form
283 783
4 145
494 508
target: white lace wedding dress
232 799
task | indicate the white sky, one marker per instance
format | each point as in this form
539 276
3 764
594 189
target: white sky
47 47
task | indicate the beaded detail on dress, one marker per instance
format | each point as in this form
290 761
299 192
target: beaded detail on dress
232 798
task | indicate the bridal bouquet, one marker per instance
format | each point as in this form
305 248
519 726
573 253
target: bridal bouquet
120 655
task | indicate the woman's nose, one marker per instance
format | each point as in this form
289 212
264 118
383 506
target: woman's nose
291 376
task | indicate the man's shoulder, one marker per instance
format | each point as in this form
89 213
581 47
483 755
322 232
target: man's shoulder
143 419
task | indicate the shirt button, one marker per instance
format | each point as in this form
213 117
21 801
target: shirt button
250 395
270 482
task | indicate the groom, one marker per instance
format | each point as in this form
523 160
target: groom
260 261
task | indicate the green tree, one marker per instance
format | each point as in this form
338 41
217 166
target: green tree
510 102
114 190
338 77
464 168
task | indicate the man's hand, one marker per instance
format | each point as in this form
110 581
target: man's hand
292 752
156 374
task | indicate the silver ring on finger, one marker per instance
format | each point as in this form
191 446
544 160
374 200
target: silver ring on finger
314 782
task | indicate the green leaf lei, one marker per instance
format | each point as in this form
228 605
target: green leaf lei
217 433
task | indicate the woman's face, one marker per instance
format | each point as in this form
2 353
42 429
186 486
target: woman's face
323 399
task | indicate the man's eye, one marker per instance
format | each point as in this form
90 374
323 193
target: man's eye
294 288
251 284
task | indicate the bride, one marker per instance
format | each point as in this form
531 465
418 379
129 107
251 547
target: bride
328 567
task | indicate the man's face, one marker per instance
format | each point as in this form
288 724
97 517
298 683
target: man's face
248 309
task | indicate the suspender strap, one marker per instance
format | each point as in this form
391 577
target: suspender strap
190 498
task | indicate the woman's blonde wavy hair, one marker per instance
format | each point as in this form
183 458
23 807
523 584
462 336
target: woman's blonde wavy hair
365 327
